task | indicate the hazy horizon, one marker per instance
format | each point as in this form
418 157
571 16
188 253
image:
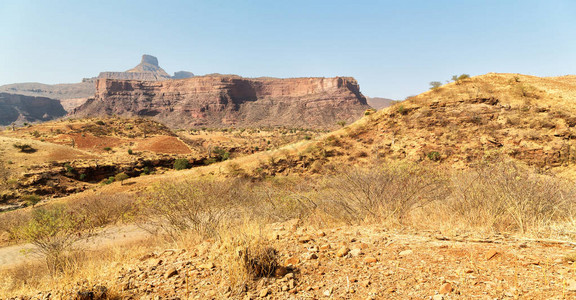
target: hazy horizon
393 48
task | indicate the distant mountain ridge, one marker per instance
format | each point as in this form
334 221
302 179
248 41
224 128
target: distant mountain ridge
147 70
379 103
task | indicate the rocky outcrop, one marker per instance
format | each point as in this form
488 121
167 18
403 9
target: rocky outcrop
20 108
222 101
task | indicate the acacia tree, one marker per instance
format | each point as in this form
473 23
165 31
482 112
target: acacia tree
435 85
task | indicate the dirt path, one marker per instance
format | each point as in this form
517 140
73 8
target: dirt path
118 235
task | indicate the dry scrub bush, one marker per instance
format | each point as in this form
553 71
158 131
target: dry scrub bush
200 205
21 277
381 193
504 196
4 176
54 231
104 209
11 221
247 255
281 198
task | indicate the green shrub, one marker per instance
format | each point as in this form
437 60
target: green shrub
181 164
82 177
221 154
69 169
402 110
31 200
434 156
130 152
107 148
109 180
369 111
463 76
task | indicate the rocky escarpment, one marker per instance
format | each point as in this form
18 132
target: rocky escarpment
222 101
147 70
71 95
18 109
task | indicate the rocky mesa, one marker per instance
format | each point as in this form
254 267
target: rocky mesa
229 100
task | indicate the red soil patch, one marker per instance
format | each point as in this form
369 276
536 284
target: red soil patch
89 142
163 144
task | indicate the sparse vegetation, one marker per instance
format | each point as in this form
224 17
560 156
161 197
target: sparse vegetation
31 200
362 177
181 164
25 148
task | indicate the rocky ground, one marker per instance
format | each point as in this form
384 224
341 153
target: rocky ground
357 263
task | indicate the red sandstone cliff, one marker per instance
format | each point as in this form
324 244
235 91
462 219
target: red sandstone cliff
219 101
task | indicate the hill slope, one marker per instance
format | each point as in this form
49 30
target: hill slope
525 118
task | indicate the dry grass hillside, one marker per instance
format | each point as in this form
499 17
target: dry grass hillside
526 118
452 194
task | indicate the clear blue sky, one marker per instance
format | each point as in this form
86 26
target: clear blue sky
393 48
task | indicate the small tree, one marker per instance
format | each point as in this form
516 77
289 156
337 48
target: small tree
24 148
463 76
341 123
121 177
435 85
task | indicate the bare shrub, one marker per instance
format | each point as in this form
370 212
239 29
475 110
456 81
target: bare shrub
380 193
104 209
11 221
247 255
505 196
200 205
54 231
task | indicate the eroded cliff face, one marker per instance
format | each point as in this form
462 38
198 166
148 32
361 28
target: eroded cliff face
222 101
19 109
